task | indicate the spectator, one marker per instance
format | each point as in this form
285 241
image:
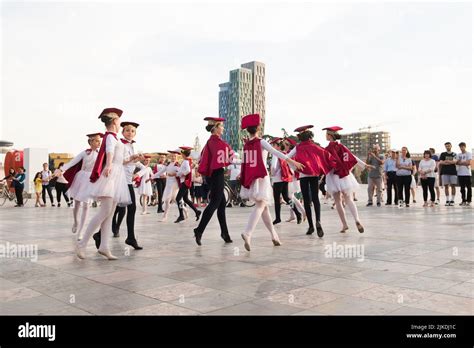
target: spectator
234 169
427 173
198 193
46 176
413 183
435 157
449 176
9 177
38 183
464 174
61 185
376 160
390 169
404 170
19 185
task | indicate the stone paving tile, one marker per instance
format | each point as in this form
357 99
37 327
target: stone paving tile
425 256
303 297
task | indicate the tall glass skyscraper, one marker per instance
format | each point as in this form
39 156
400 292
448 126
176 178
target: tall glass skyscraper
244 94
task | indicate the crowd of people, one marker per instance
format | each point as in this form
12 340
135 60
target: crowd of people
110 172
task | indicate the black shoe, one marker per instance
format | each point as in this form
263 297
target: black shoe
198 215
299 219
53 205
319 229
116 234
277 221
59 205
229 205
310 230
226 238
198 236
96 237
379 205
160 210
179 219
134 244
368 204
388 203
242 205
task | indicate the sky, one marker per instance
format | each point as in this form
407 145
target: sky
401 67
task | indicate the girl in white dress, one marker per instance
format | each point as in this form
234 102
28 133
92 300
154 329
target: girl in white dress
171 187
80 181
109 184
145 190
255 180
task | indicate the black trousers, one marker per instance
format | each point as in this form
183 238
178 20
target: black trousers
403 183
160 187
281 189
322 184
216 202
392 185
309 189
465 183
19 194
49 189
61 189
120 214
183 196
428 184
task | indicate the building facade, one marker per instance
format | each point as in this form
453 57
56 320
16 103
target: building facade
359 143
244 94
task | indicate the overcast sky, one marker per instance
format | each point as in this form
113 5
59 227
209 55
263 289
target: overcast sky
405 67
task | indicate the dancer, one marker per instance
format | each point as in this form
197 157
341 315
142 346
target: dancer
77 173
161 181
145 190
340 181
185 178
255 181
130 163
109 184
294 185
281 176
215 156
171 187
317 161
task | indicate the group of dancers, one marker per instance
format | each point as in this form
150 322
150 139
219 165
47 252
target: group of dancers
106 172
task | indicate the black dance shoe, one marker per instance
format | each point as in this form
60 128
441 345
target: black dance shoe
299 219
134 244
96 237
198 215
276 222
197 236
319 229
179 219
310 230
226 238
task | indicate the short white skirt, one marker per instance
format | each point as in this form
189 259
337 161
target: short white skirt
80 187
145 188
260 190
114 186
335 184
413 182
293 187
171 189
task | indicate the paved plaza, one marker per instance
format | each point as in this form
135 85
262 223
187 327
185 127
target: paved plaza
409 261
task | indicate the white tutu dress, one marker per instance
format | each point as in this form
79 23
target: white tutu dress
294 186
79 189
334 183
145 187
261 189
171 187
115 185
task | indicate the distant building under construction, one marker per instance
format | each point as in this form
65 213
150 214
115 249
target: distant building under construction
361 142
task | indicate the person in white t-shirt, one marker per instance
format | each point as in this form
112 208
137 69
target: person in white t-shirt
234 170
464 174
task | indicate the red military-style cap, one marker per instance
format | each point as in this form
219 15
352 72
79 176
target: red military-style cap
252 120
147 156
185 148
333 128
111 110
214 119
94 134
303 128
162 153
129 123
291 141
275 140
175 151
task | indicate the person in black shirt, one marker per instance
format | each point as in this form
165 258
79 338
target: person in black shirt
447 162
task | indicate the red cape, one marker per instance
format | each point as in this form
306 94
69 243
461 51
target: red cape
317 161
252 165
101 158
70 174
188 180
215 155
344 158
286 174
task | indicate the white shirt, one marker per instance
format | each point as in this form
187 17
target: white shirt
267 148
129 151
183 170
59 173
235 169
45 174
169 169
158 167
464 170
275 170
87 158
428 165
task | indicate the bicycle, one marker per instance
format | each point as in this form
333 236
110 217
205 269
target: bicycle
232 196
6 193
